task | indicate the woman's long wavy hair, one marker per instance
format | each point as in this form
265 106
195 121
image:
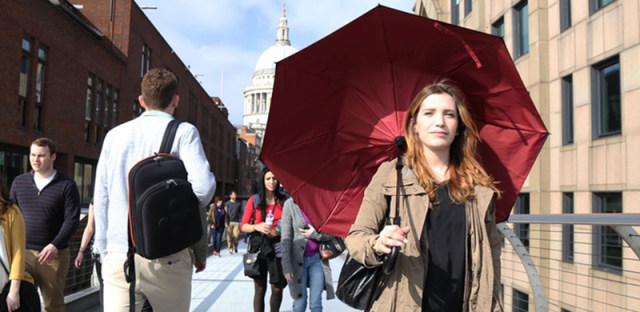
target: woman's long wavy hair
262 190
464 169
5 200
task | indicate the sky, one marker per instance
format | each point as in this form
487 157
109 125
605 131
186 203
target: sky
221 40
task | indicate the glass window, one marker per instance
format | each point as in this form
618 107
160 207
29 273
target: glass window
455 12
114 111
567 110
608 243
137 109
468 7
565 15
521 206
520 301
84 175
97 121
567 229
88 108
23 88
596 5
497 28
521 29
145 63
606 93
13 164
107 106
40 76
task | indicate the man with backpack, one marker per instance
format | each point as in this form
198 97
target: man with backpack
164 281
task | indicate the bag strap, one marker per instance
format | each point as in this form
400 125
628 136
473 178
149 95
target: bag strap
169 136
4 266
130 273
256 200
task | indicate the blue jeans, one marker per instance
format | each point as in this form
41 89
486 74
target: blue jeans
312 275
217 238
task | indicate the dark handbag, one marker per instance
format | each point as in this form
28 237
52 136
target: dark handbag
251 264
332 248
29 299
359 286
251 260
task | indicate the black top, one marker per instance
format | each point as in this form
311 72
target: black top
445 229
234 211
51 216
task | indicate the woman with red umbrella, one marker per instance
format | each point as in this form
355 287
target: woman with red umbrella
449 246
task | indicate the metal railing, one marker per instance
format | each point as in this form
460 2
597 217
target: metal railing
566 264
573 262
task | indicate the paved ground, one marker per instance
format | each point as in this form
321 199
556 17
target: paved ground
223 287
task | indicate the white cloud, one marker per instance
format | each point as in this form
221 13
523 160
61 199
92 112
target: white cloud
213 36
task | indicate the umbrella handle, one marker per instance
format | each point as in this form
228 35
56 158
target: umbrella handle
390 260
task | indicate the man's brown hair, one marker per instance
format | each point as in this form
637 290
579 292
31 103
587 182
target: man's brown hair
158 88
42 142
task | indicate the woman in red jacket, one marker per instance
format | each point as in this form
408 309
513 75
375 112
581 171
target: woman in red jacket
260 219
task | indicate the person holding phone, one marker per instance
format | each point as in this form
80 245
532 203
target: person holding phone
300 242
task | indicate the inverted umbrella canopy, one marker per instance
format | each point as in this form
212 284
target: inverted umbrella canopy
338 104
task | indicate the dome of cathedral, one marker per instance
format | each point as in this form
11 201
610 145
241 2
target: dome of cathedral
257 96
274 54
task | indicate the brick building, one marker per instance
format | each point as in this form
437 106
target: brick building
74 81
72 71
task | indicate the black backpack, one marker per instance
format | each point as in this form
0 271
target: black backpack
164 216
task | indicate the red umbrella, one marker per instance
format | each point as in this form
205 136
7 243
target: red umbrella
338 104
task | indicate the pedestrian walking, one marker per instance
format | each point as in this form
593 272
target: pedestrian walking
216 219
300 244
260 219
18 293
50 204
233 217
165 282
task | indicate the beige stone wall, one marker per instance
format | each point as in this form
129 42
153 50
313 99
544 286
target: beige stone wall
586 166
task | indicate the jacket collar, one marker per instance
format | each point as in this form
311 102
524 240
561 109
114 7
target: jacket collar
482 194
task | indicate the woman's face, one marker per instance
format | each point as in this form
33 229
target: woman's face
436 122
270 182
219 202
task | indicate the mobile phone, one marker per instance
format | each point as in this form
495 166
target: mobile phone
305 227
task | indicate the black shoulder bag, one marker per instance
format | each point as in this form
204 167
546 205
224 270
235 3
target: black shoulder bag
359 286
250 259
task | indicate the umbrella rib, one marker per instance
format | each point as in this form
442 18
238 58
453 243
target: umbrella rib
392 68
469 60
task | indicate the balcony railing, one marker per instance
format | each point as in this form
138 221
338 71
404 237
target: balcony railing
573 262
570 262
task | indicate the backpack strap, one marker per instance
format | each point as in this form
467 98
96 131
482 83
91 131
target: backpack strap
169 136
256 201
